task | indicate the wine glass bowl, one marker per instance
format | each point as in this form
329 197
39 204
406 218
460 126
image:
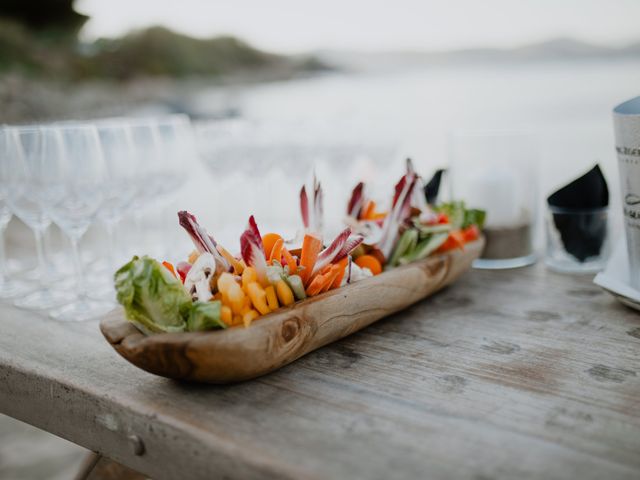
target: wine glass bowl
74 189
28 166
75 174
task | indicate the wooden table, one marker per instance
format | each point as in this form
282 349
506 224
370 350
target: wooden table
507 374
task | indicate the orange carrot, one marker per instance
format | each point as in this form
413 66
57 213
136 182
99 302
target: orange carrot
237 266
311 246
290 261
370 262
369 210
169 267
323 271
276 251
335 271
268 241
315 286
323 281
343 269
455 240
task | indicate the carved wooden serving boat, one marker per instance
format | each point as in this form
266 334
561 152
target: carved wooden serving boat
279 338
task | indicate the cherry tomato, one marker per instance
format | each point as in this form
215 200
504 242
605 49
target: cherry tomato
471 233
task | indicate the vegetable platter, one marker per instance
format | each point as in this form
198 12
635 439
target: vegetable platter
221 318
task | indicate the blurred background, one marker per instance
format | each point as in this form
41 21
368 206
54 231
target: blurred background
355 72
349 88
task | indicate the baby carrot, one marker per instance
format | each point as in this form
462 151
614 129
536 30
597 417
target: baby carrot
322 281
311 246
369 210
169 267
268 241
370 262
237 266
331 277
315 286
276 251
290 261
343 269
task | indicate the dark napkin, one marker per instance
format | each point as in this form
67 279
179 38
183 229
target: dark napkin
582 232
432 188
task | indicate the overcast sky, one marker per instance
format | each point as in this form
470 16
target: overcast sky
302 25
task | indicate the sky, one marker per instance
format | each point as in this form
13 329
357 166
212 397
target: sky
295 26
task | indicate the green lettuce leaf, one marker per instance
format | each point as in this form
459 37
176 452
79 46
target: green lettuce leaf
153 299
474 217
460 216
205 316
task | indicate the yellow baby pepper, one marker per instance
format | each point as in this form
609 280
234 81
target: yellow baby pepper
285 295
258 297
226 315
248 275
272 299
249 317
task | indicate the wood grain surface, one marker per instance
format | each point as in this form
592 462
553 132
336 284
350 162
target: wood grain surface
505 374
277 339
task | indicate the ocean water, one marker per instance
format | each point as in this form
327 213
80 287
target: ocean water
361 125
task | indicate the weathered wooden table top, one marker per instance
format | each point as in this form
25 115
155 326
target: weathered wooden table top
506 374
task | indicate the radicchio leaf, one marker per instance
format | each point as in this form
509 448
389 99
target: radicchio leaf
200 238
400 211
318 209
253 226
356 201
304 207
348 247
252 250
329 254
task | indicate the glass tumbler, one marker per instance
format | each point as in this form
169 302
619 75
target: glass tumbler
577 240
496 171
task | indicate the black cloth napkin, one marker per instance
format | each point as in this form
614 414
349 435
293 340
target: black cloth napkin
432 188
582 232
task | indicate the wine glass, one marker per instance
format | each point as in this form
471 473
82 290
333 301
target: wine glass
120 178
176 159
8 148
148 176
27 172
74 190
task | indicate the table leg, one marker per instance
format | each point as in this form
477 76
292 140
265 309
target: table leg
97 467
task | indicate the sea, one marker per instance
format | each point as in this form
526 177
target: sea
360 125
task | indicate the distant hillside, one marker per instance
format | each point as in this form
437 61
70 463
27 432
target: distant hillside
160 52
153 52
556 49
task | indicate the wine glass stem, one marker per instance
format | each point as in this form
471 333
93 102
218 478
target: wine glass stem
42 266
3 255
81 289
111 245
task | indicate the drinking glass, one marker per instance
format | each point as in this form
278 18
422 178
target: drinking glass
497 172
250 161
149 178
120 179
28 171
177 154
8 148
577 240
74 192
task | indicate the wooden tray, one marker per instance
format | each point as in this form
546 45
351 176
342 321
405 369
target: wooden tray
238 353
